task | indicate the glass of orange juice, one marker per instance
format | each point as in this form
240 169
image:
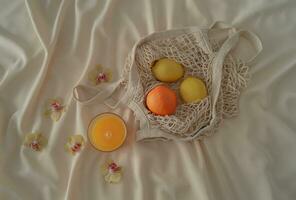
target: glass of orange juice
107 132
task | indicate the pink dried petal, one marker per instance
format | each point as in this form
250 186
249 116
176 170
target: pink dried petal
35 145
76 147
113 167
56 106
101 77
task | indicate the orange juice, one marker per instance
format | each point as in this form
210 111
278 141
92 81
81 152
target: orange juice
107 132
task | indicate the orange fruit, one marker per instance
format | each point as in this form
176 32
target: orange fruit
162 100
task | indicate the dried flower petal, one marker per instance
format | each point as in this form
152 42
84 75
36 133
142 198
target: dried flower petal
99 75
75 144
55 115
54 109
112 172
35 141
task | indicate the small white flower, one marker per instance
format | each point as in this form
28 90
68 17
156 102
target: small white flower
54 109
35 141
99 75
112 172
75 144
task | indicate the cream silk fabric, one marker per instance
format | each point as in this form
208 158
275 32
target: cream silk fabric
47 46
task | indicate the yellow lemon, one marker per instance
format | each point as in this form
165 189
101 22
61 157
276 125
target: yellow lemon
193 89
167 70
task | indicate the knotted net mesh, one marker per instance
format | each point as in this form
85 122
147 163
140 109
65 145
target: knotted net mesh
190 50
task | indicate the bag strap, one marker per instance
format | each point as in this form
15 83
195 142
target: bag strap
254 46
85 94
217 68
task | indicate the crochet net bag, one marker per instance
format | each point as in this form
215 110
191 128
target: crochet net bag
207 58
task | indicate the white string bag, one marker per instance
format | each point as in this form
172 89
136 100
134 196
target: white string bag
218 55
